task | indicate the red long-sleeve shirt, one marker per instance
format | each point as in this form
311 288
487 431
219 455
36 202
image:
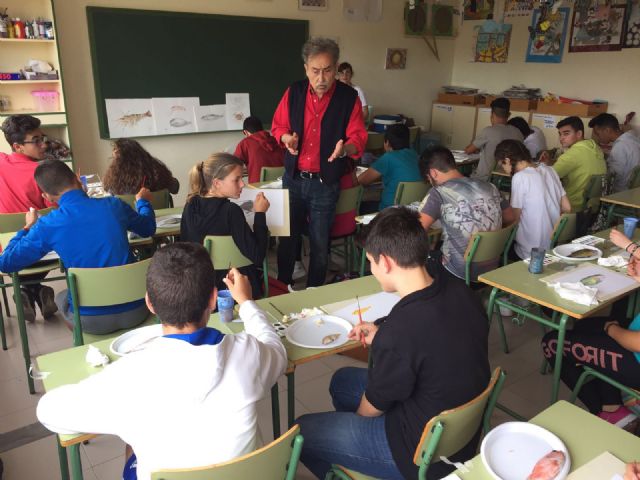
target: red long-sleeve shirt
18 189
314 109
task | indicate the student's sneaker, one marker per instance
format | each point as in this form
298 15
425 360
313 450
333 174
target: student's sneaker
298 271
620 418
45 301
27 307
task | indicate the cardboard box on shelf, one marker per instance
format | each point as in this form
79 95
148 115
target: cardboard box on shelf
456 99
572 109
517 104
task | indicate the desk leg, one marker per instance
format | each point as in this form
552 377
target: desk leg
3 334
610 211
562 328
275 411
490 310
291 398
62 459
76 464
17 298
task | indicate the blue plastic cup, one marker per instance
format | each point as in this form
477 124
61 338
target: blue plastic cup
537 260
83 181
630 224
225 306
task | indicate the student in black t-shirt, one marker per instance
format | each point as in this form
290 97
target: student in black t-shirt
429 355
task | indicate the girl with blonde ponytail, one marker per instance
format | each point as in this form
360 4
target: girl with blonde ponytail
209 212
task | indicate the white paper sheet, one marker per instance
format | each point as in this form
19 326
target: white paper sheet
605 466
372 307
210 118
278 213
238 108
174 115
130 117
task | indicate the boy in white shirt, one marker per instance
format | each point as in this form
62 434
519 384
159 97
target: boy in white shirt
537 197
188 399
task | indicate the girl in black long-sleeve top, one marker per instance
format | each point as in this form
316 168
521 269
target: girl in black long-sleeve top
209 212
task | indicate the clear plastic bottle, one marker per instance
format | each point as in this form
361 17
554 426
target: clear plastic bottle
3 28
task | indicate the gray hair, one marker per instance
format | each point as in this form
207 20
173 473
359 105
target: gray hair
317 45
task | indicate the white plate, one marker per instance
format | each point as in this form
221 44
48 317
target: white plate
563 251
511 450
309 332
134 339
167 221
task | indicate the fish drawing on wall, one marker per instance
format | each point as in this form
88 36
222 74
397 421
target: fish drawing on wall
133 118
178 122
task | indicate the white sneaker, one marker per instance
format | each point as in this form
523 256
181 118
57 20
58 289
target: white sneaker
505 312
298 271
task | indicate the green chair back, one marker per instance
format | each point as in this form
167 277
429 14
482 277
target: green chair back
5 238
159 199
564 230
13 222
634 178
375 142
409 192
446 433
98 287
349 199
224 252
485 246
414 136
268 174
369 119
592 193
276 461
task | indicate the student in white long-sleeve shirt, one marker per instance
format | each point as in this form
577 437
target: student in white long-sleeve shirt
189 398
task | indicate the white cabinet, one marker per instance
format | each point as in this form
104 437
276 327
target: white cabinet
456 124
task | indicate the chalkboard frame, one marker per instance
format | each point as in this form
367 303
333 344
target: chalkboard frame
291 67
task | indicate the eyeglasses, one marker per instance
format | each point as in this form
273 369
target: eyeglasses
37 140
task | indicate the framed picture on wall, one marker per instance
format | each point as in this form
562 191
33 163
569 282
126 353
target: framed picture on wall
597 28
396 59
632 27
313 5
547 46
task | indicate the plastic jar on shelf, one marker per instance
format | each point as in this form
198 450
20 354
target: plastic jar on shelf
46 100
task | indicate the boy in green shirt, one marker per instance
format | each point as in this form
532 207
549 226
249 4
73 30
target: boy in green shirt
581 159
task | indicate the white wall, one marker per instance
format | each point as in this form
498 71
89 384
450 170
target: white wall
611 76
364 45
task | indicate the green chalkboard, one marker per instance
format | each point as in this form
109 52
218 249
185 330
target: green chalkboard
148 53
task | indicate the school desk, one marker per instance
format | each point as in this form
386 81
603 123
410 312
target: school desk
585 436
626 198
171 231
516 280
69 366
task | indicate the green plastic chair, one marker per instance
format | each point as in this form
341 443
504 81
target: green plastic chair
375 143
159 199
485 246
409 192
634 178
268 174
589 374
446 433
592 193
414 138
564 230
99 287
348 201
224 252
276 461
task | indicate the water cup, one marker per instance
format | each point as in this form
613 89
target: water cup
83 181
537 260
630 224
225 306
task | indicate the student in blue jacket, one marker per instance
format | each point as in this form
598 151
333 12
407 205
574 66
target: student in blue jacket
86 233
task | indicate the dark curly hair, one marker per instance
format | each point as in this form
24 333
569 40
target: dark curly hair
16 128
132 165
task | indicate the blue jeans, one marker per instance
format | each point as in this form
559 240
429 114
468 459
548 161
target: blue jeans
344 437
313 201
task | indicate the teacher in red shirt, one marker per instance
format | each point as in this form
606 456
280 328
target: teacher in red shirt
319 122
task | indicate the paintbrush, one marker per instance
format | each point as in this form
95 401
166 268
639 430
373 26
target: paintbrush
144 180
276 309
364 344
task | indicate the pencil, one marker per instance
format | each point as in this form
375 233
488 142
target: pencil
364 344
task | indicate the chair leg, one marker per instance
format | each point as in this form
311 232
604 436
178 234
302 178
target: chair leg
6 301
581 381
275 410
22 327
3 335
76 463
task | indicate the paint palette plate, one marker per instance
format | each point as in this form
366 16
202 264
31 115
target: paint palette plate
135 340
309 332
565 252
511 450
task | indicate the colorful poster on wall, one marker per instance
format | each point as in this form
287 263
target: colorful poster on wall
492 42
478 9
517 8
597 28
546 42
632 30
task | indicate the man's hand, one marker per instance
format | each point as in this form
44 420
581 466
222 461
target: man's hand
633 269
632 472
338 152
290 141
368 331
261 204
30 218
618 238
144 193
238 285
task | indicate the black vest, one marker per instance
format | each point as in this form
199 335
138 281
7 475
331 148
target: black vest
332 128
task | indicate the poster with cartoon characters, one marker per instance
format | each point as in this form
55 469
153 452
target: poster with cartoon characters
547 36
597 27
492 42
